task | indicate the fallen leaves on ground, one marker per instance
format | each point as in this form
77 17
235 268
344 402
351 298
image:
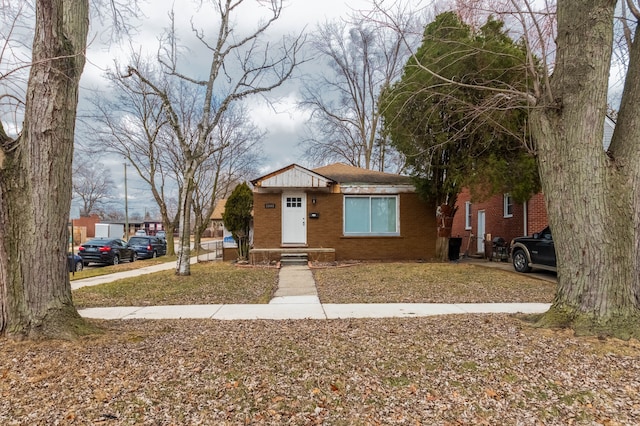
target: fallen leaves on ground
449 370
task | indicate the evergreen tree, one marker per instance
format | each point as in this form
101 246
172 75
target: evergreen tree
452 115
237 217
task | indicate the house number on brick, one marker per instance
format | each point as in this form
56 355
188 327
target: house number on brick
269 205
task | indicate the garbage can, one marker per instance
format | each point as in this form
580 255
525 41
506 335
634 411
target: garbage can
454 248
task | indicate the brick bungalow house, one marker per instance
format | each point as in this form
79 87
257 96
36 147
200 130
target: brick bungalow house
340 212
478 223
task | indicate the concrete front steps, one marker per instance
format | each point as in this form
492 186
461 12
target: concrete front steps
290 259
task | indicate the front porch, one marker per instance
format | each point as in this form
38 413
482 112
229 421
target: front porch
268 255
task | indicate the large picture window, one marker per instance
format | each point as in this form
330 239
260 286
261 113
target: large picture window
371 215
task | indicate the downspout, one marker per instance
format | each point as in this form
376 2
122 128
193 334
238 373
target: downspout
525 216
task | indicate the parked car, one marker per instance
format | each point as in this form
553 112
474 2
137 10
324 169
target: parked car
74 262
106 251
536 251
161 234
148 247
141 233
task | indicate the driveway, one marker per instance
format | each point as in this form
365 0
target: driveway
507 266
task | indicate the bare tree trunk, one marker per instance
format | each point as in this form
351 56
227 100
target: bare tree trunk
171 248
35 182
444 219
592 199
183 266
197 239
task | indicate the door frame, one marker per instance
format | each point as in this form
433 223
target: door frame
302 229
480 231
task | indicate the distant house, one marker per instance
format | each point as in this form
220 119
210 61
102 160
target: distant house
340 212
480 222
216 225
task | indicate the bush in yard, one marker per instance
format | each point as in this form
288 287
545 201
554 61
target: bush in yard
237 217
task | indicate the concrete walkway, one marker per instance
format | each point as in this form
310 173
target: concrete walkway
295 298
102 279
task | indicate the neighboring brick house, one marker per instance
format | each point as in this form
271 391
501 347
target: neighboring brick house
340 212
216 224
499 216
478 223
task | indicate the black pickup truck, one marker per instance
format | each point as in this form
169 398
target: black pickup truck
536 251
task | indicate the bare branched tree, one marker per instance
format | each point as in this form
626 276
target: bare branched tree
92 185
241 65
131 123
362 58
16 31
227 167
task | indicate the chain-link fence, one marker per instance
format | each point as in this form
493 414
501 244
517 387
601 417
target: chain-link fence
210 250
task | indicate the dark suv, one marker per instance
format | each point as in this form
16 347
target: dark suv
148 247
536 251
107 251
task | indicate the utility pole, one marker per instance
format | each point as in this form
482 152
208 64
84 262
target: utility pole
126 206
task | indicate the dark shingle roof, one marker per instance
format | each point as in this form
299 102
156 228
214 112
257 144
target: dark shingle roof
344 173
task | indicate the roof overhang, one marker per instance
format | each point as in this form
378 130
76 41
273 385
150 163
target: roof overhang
353 189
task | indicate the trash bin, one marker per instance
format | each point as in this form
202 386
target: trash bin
454 248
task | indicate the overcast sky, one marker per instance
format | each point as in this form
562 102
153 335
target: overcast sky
282 120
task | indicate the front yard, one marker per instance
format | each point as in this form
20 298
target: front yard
444 370
213 283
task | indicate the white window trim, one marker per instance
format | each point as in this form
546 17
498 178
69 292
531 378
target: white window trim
468 219
505 205
370 234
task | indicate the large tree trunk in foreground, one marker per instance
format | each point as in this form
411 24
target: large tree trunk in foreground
592 198
35 182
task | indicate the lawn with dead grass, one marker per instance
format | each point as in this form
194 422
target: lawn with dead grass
209 283
428 283
99 270
219 282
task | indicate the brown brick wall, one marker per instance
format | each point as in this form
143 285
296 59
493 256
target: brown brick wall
537 218
495 223
266 222
416 240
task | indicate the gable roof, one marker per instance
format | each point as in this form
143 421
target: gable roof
293 176
219 209
345 174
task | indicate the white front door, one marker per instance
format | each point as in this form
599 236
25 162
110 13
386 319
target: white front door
294 218
481 229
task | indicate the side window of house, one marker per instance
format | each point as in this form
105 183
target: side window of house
508 205
467 215
371 215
